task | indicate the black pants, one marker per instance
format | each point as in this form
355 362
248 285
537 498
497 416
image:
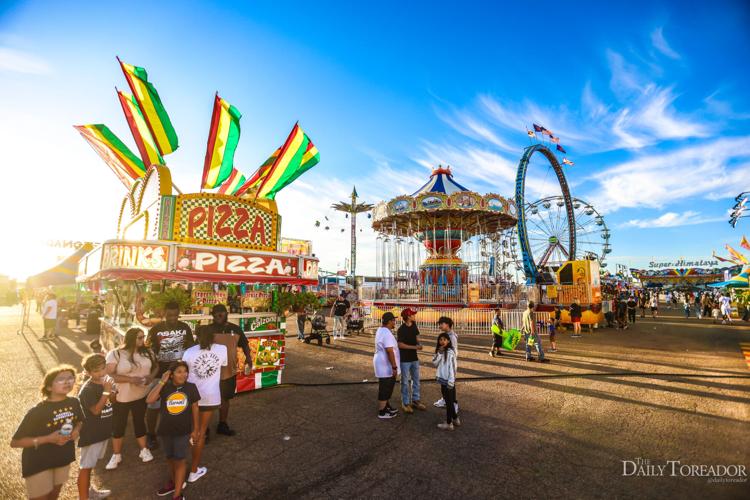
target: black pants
497 341
385 388
631 315
120 417
449 395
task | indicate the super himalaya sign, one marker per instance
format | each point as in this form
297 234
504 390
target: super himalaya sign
682 263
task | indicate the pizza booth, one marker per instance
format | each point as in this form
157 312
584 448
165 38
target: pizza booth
216 249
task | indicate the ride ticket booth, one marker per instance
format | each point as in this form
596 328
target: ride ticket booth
203 248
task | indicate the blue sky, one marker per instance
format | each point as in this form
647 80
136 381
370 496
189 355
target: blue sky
649 99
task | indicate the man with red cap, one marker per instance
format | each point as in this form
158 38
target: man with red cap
408 345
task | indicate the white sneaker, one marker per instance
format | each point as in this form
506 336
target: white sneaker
113 462
440 403
145 455
95 494
445 427
199 473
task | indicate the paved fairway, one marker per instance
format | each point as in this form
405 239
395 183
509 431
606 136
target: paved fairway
556 430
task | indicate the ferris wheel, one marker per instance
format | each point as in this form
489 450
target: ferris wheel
548 232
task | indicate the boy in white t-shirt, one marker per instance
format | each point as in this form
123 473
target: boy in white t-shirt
204 370
386 363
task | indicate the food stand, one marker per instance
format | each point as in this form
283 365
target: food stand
208 244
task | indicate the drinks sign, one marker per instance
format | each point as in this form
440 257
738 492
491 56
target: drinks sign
134 256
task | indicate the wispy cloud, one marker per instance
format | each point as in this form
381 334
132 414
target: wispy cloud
660 44
710 170
672 219
17 61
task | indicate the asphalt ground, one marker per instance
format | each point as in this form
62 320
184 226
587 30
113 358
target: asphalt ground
664 390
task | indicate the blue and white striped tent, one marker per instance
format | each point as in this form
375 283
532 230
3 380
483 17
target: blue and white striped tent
441 181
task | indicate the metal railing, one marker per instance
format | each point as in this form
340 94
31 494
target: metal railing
466 321
497 293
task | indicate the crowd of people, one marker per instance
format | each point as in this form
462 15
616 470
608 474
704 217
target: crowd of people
168 383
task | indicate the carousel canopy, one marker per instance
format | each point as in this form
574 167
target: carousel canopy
441 181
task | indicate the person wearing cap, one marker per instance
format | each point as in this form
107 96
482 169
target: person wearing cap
229 335
408 345
386 364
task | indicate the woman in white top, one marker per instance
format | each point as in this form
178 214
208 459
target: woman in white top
205 361
133 368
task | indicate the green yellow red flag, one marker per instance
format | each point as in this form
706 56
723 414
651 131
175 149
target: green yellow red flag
126 165
734 253
138 127
297 155
223 137
233 183
260 174
155 115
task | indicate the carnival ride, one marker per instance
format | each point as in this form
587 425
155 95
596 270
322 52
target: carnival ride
456 228
548 232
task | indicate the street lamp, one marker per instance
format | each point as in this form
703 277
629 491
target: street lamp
352 209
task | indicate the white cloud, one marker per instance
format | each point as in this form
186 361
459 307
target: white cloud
16 61
660 44
710 170
672 219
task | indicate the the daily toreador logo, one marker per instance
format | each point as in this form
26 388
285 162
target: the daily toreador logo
177 402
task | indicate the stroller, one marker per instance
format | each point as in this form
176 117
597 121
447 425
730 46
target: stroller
355 323
319 332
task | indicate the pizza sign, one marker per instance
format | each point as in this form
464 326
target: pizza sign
214 219
251 265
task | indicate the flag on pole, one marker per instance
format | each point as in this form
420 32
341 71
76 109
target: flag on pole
554 139
561 149
222 142
138 127
567 162
548 132
538 128
233 183
297 156
126 165
734 253
723 259
744 243
530 133
155 115
259 175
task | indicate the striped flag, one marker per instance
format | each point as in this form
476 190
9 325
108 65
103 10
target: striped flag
734 253
556 140
233 183
222 142
142 135
538 128
259 175
298 155
126 165
567 162
744 243
153 110
561 149
548 132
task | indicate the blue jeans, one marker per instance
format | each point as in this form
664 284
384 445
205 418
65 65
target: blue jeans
537 344
410 380
301 326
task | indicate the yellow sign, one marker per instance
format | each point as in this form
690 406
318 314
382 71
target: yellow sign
227 221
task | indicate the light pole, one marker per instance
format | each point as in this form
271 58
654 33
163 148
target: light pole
352 209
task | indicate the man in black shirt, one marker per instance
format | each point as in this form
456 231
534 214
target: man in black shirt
408 345
339 311
168 339
632 304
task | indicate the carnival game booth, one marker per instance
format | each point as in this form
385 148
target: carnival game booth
575 281
208 244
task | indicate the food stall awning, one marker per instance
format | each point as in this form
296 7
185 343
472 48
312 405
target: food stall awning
63 273
148 260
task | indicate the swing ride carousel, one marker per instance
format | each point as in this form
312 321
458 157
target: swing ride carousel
441 247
